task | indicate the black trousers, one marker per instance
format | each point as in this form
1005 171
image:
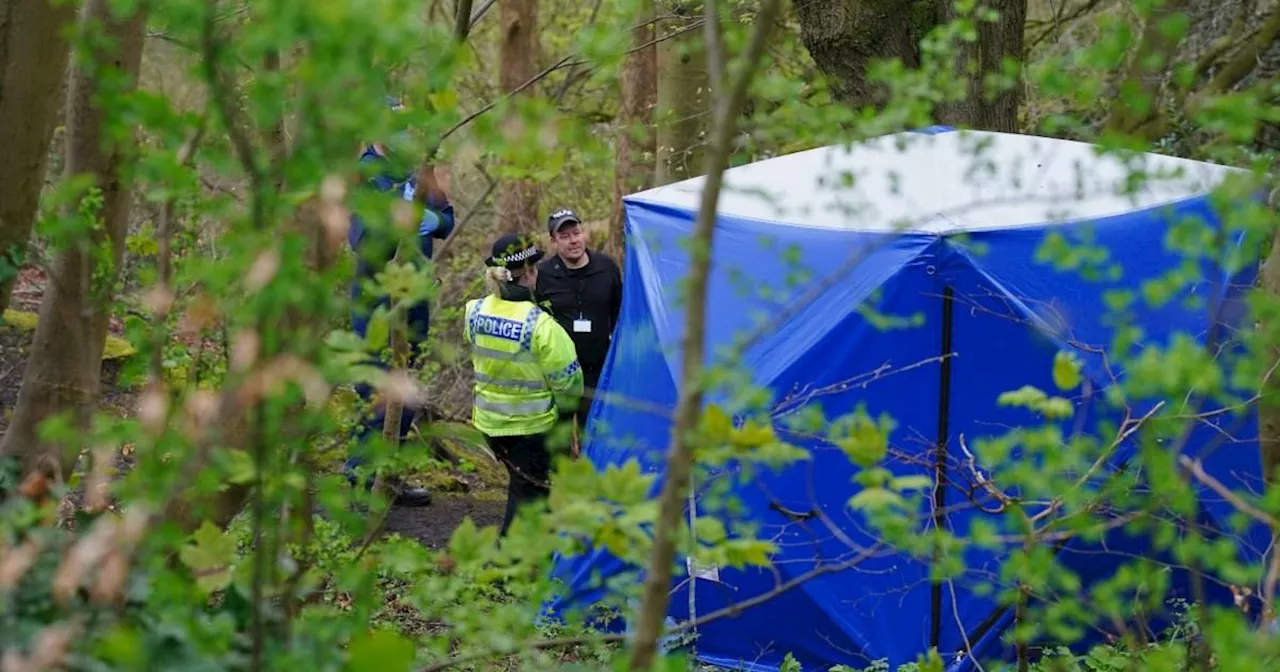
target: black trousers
529 467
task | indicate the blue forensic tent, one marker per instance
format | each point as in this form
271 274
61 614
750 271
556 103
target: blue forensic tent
942 224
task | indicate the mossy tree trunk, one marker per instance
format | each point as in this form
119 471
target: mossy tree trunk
33 62
63 371
844 37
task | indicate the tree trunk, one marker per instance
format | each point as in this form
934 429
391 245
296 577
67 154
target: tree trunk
844 37
636 145
986 107
684 104
518 63
1269 404
33 62
64 369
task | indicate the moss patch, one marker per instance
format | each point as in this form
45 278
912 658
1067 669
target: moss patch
116 347
21 320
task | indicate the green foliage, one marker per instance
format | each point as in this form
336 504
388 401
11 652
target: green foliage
167 580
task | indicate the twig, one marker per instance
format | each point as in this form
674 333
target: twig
565 62
490 105
692 26
480 12
570 76
1196 469
1058 21
1272 578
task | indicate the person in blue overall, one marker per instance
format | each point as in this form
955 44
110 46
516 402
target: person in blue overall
374 249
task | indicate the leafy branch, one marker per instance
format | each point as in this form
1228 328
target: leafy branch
681 456
724 612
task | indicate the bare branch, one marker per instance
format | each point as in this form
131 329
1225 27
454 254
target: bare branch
1244 62
566 62
1197 470
1058 22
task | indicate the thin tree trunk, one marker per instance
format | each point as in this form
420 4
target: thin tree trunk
636 144
518 63
33 62
680 459
65 366
1269 405
683 105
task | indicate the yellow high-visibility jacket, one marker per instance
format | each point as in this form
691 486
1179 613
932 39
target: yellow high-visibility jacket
526 367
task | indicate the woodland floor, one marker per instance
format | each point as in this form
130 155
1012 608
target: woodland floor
478 494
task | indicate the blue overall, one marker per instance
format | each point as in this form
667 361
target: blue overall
373 252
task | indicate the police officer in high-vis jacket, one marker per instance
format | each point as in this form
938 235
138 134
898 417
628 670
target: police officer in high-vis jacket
527 376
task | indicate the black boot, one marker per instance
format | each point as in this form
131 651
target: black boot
408 495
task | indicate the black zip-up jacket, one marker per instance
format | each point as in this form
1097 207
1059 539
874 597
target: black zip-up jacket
592 294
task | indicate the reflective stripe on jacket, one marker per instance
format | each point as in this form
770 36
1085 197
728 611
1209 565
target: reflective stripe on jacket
526 367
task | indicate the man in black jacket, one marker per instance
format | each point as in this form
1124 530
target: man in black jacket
583 289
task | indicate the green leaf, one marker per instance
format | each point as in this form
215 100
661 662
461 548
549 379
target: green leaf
752 435
875 499
1057 408
750 552
381 651
908 483
241 466
867 442
378 332
1026 396
470 543
716 423
1066 370
626 484
709 530
209 557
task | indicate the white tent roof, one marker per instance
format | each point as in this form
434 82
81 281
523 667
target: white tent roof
952 181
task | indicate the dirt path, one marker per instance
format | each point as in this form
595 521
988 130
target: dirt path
434 525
